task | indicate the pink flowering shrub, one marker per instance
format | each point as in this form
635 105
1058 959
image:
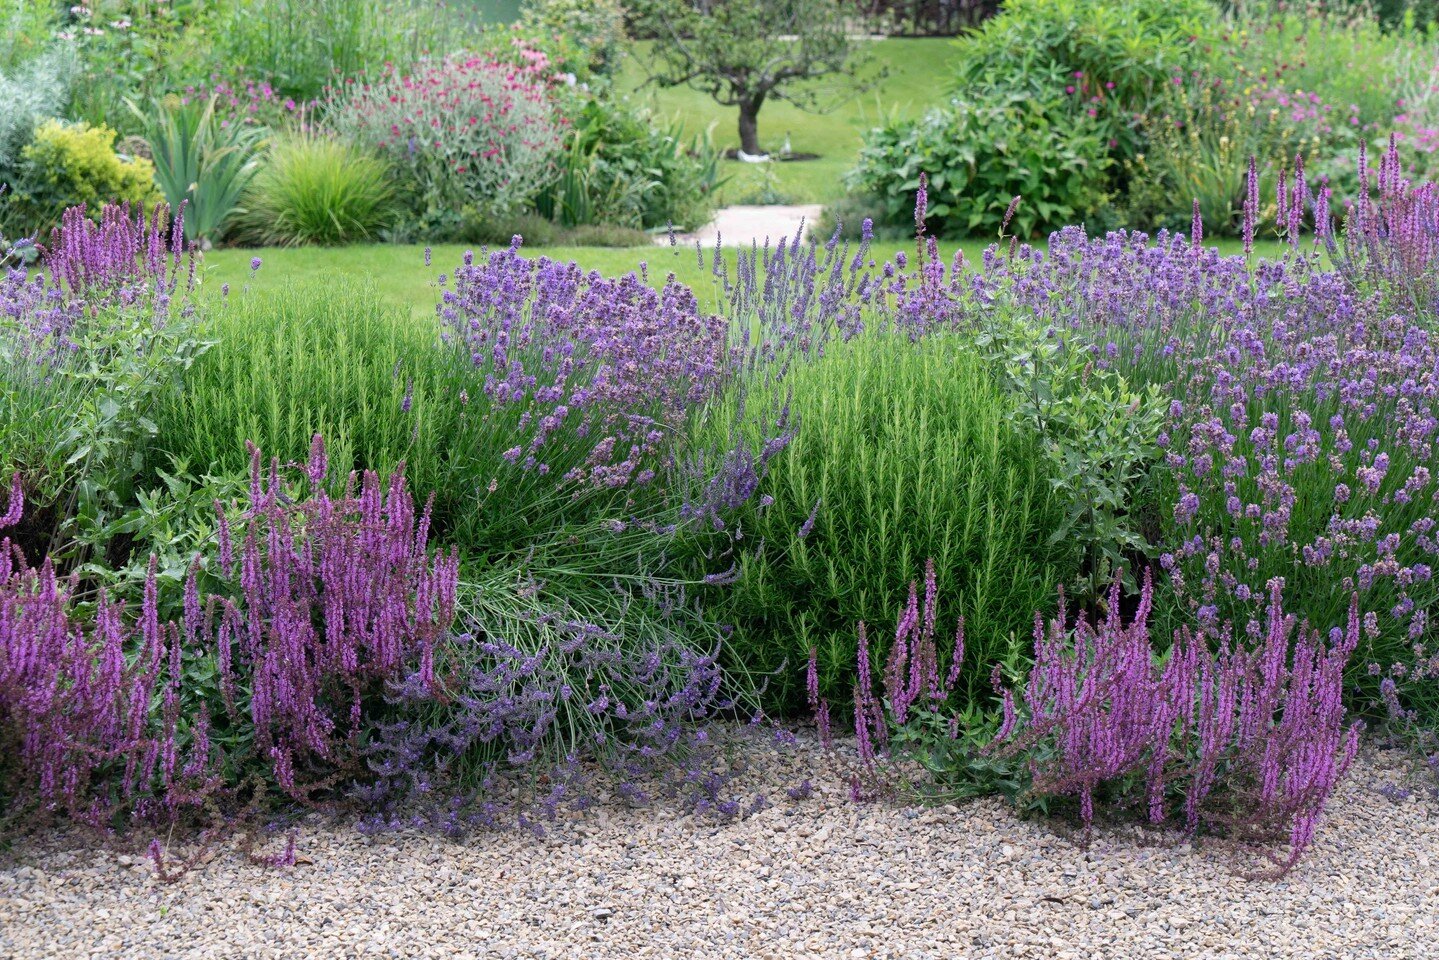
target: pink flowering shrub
466 133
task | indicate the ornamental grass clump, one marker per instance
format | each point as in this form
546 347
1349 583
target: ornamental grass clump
317 190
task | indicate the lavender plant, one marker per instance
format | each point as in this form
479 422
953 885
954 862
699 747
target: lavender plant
1300 417
575 390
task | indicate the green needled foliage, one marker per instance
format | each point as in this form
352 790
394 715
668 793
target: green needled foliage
904 452
310 358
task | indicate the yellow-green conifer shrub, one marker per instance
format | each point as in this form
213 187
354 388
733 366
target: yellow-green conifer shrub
67 164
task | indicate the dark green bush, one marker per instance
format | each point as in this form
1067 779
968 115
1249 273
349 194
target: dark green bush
622 168
905 451
1044 102
849 213
604 235
1118 52
980 153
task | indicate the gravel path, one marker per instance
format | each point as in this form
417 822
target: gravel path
815 877
740 226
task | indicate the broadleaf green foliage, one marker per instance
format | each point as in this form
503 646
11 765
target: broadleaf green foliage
909 450
1044 98
621 167
1136 45
982 151
1098 435
77 430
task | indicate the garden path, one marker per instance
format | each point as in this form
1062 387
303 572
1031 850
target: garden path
812 875
739 226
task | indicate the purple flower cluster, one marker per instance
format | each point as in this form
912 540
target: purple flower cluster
121 260
79 725
38 316
334 598
578 696
912 681
337 598
1391 236
591 376
1303 412
1251 737
121 256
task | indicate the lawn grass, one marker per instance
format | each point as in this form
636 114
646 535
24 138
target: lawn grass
400 278
915 72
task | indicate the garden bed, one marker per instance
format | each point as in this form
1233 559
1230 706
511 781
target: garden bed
814 877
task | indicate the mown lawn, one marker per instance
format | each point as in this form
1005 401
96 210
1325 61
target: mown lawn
915 72
400 277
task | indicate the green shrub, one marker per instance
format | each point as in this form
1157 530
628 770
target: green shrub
1337 51
200 161
310 358
1044 103
137 50
318 190
1113 57
466 136
620 167
67 165
494 231
905 451
980 153
596 28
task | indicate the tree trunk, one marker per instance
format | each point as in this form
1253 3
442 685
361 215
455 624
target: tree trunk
749 126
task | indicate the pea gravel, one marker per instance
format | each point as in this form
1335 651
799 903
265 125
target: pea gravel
812 877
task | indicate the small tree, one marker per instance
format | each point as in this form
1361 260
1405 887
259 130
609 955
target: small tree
744 52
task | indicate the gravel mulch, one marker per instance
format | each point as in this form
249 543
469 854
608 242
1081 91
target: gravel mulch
813 877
